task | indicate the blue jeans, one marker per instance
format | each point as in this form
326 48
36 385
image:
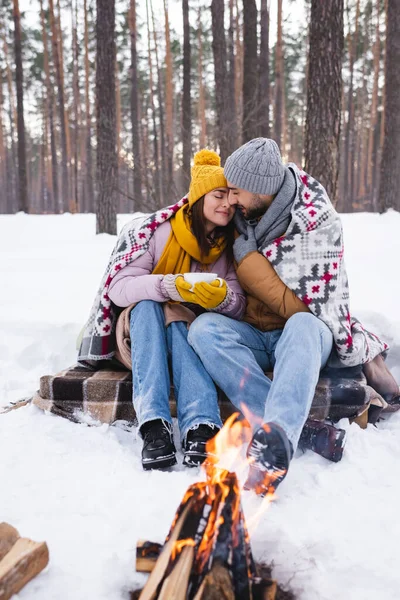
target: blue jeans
236 355
153 347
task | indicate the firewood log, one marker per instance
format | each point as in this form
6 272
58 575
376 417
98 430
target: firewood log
23 562
150 589
8 537
147 554
266 589
175 585
217 584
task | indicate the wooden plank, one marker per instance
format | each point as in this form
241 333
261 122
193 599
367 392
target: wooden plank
21 564
8 537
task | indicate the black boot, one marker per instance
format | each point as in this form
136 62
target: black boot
158 450
269 455
194 446
324 439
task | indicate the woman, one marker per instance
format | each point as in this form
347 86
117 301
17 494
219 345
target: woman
198 238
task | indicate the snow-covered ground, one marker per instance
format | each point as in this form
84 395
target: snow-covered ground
333 531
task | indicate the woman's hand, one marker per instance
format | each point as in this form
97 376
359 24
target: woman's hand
210 295
207 295
184 289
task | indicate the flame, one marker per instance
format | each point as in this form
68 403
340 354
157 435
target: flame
226 453
226 461
179 545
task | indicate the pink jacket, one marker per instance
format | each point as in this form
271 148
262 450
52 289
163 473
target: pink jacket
135 281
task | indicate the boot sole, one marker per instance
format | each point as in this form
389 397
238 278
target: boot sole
194 459
162 462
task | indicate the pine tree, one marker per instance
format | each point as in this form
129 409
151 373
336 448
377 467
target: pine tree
186 101
22 174
324 93
390 172
107 160
250 62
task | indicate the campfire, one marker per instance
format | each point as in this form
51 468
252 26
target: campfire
207 552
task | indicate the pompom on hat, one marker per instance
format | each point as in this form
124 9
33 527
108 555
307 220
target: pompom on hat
207 175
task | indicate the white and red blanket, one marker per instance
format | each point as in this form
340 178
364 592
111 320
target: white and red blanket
98 342
309 259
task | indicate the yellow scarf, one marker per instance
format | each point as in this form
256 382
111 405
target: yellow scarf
182 247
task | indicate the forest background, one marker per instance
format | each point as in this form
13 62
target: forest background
104 102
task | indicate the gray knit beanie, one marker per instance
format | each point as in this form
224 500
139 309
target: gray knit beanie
256 167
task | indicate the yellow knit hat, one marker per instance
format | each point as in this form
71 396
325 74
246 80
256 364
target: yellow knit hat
207 175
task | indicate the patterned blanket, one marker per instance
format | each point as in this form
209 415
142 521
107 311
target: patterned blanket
98 342
83 395
309 259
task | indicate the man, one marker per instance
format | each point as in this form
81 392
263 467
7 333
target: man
288 231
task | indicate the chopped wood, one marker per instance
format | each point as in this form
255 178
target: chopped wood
175 585
217 585
8 537
147 554
21 564
265 589
150 589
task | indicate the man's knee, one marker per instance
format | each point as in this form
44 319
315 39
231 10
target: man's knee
307 327
305 321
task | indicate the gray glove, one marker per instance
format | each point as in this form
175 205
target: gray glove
245 243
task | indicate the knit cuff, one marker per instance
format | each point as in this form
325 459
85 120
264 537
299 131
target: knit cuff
168 288
224 305
162 289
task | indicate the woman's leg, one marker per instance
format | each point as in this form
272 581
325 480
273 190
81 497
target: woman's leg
195 392
151 384
150 374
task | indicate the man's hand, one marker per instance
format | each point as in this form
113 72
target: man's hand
245 243
210 295
240 222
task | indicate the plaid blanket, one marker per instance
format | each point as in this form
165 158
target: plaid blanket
309 259
98 342
81 394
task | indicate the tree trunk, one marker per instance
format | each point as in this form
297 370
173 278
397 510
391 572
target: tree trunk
89 187
160 98
50 112
279 83
75 200
230 90
64 200
250 62
221 77
137 169
156 172
202 100
238 73
324 93
349 167
263 73
374 122
107 163
390 171
169 100
22 174
186 103
12 184
3 159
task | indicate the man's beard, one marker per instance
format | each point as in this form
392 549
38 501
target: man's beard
257 209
